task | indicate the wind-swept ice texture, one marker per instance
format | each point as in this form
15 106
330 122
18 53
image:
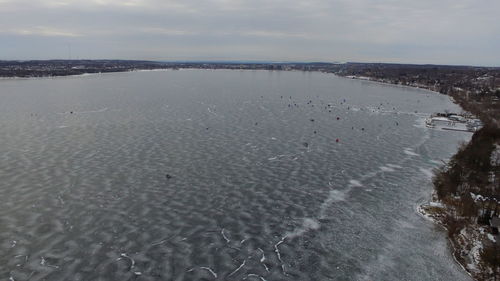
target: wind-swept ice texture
85 196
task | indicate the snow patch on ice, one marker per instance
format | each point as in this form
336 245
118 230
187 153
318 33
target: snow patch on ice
333 196
420 123
336 196
436 162
386 169
307 225
427 172
355 183
410 152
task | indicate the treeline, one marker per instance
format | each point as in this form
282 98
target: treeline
470 187
470 173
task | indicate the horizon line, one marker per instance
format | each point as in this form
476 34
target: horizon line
235 61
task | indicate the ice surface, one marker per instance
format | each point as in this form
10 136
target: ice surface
245 201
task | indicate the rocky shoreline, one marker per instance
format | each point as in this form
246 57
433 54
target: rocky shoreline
466 247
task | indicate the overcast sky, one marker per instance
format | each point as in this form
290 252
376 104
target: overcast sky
409 31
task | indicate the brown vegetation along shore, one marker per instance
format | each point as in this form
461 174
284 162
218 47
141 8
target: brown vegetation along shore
468 199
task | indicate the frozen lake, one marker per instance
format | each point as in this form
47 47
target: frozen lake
274 176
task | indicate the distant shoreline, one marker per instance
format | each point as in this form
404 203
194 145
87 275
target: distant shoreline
221 68
398 85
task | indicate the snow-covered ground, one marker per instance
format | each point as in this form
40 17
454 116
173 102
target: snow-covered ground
468 244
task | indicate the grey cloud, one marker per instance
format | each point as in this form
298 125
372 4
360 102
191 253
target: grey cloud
425 31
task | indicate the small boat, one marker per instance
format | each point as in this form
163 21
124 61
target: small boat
453 122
